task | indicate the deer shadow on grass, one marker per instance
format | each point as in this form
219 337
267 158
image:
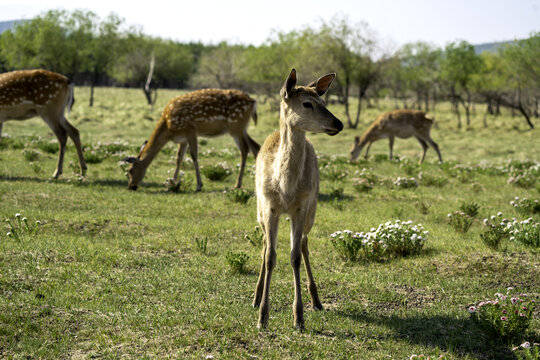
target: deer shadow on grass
458 336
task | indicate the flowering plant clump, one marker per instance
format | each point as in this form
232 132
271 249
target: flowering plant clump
497 230
238 195
506 316
216 172
406 183
526 232
527 351
333 172
460 221
428 179
21 228
387 240
526 206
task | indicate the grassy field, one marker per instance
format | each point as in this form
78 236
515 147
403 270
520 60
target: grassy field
111 273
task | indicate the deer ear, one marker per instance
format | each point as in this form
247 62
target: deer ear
130 159
289 85
322 84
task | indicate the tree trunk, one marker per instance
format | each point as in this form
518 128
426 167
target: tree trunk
148 90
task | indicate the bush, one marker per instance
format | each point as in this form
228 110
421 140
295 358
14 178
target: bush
238 195
405 183
525 232
237 261
506 317
410 167
470 209
526 206
388 240
496 231
218 172
30 154
460 221
50 147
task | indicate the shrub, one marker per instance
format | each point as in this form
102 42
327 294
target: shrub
470 209
333 172
238 195
347 243
181 186
506 317
237 261
405 183
496 231
428 179
460 221
362 185
527 351
410 167
30 154
50 147
525 232
526 206
388 240
94 156
218 172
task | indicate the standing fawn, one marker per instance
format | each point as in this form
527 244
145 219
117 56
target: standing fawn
28 93
287 181
209 112
400 123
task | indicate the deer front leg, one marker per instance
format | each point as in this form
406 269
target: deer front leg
270 221
312 287
367 150
192 140
297 228
179 158
260 282
391 143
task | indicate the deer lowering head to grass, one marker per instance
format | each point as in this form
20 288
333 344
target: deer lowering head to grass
287 181
28 93
209 112
397 123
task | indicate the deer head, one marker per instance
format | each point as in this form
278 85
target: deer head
303 109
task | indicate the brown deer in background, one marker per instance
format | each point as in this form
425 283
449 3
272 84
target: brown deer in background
209 112
397 123
287 181
28 93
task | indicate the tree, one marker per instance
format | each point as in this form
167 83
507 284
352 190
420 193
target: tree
458 67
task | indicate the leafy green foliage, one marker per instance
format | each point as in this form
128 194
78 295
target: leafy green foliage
218 172
237 261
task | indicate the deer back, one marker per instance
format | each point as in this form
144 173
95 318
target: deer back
27 93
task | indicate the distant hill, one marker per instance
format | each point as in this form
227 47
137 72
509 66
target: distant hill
491 47
5 25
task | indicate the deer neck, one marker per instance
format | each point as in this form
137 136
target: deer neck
290 159
157 141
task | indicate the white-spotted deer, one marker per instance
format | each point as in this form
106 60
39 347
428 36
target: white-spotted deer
209 112
28 93
397 123
287 181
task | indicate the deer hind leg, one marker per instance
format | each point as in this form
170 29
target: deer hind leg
270 221
193 149
391 143
73 133
254 147
179 158
435 146
312 287
424 148
260 282
244 149
61 135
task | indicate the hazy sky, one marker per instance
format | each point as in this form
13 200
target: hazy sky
252 22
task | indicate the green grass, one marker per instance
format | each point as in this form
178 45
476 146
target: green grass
119 274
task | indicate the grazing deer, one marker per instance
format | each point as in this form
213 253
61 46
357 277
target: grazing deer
28 93
400 123
287 181
209 112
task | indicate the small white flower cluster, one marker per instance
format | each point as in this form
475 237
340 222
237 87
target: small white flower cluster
405 183
398 238
525 205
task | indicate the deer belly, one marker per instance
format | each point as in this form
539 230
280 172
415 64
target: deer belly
406 132
21 112
212 128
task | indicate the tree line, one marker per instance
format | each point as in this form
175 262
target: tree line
94 51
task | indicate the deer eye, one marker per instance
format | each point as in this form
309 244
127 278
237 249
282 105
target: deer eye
307 105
